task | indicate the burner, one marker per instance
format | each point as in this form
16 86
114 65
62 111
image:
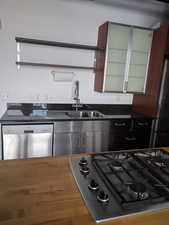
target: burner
141 154
116 165
139 190
123 156
160 162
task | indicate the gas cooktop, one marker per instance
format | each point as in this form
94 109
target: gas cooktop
123 183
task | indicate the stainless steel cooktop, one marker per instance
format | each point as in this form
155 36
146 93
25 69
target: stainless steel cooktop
123 183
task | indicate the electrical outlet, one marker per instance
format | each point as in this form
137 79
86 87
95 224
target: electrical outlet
4 96
43 97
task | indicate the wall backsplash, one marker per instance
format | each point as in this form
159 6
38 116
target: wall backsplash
65 21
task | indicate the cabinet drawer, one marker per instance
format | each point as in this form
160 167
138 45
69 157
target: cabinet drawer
135 141
128 141
117 143
162 139
131 141
122 141
120 126
142 125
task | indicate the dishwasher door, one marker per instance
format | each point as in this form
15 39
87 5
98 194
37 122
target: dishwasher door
27 141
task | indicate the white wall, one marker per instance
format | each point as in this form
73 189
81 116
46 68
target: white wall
74 21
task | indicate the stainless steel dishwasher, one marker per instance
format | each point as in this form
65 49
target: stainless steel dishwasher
27 141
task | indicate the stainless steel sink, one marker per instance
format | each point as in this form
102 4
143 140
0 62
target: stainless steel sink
84 114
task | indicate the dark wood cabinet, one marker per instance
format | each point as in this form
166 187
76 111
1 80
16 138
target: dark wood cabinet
100 57
147 103
167 49
130 133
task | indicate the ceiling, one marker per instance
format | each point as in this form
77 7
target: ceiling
153 7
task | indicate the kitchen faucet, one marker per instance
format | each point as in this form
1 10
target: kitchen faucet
76 96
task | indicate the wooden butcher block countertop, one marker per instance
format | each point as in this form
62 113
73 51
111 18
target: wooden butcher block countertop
42 191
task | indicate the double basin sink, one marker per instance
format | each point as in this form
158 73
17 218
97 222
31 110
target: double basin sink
84 114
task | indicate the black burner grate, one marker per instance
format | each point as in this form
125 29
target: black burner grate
135 176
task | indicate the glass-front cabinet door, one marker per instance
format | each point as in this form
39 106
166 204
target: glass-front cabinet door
139 60
117 46
127 57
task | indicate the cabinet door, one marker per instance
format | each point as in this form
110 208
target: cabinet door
139 59
142 131
117 46
76 143
161 139
96 141
86 142
62 143
68 143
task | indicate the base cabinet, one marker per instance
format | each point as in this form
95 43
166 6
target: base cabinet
130 134
161 139
74 137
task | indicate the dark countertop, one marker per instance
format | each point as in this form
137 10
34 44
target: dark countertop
56 112
51 116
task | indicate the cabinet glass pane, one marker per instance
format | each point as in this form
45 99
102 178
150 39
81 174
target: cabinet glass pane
141 40
137 71
139 58
118 36
114 83
115 69
135 84
140 48
118 39
115 55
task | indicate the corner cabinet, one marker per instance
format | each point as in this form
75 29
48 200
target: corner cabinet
122 62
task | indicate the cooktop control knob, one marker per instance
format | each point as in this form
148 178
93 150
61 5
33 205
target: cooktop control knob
94 186
102 197
83 161
84 170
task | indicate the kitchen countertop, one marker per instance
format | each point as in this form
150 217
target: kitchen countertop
56 115
42 191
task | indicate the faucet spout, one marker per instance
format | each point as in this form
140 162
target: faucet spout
76 96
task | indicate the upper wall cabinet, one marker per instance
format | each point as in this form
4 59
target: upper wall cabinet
147 104
122 64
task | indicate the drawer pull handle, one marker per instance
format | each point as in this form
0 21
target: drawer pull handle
28 131
142 124
130 139
119 124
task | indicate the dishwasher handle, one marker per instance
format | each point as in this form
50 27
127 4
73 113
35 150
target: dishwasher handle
28 131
